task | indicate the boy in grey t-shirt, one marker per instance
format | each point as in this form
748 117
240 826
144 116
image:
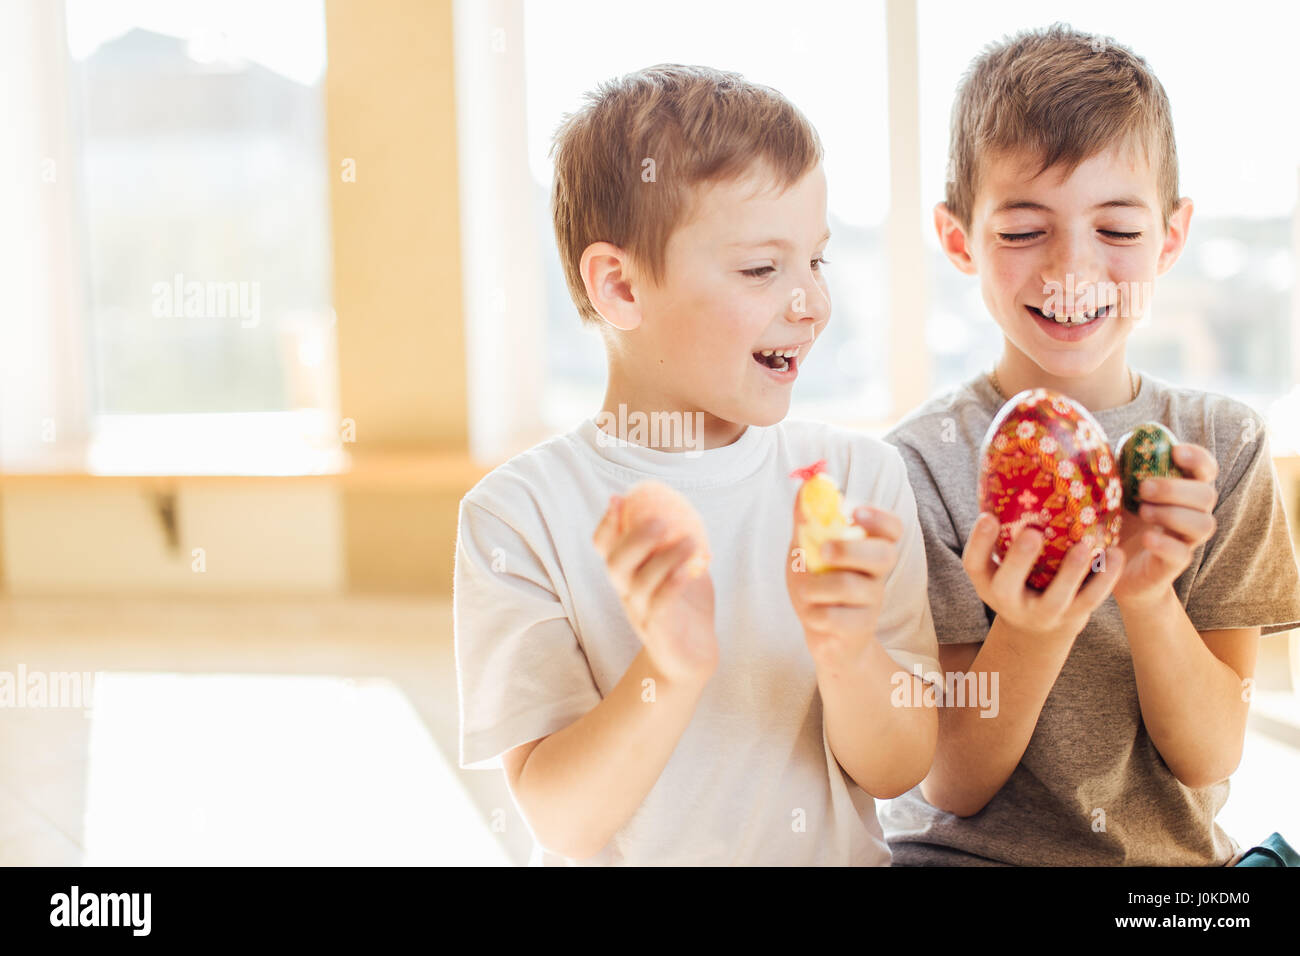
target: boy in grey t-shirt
1091 786
1123 694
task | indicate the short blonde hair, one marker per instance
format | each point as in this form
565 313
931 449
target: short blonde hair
1063 96
626 162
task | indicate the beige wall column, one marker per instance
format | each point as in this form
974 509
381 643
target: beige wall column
390 101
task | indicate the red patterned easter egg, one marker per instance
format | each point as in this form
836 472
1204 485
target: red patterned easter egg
1045 463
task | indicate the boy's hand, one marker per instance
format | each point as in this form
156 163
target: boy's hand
1176 515
671 612
1063 608
839 606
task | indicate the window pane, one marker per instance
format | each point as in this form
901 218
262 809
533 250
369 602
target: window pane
205 205
572 45
1222 318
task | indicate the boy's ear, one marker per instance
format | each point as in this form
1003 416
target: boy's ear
952 239
1180 222
606 276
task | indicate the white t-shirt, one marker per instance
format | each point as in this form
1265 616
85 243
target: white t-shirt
541 637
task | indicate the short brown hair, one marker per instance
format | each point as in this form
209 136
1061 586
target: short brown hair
625 163
1063 96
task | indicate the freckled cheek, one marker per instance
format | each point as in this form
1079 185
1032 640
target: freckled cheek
1131 264
1132 269
1009 276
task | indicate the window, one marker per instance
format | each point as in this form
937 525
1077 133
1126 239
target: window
202 204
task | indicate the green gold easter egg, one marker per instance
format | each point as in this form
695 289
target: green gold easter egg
1145 452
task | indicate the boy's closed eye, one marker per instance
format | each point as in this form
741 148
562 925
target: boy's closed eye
761 272
1030 236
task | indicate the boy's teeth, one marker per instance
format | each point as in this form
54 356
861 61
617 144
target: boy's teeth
1082 320
1069 321
778 359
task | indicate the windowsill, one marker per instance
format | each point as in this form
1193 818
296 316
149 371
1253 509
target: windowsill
433 470
258 444
240 447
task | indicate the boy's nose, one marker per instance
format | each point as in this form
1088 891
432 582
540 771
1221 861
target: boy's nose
1071 275
809 301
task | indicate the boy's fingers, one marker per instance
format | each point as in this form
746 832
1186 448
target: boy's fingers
606 530
647 579
673 584
1166 547
873 556
1188 524
837 587
879 523
630 552
977 558
1061 592
1184 492
831 619
1103 582
794 524
1009 581
1196 461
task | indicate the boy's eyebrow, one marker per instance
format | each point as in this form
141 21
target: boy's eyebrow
1120 202
783 243
1123 202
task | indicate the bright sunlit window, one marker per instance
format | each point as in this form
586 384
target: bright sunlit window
204 216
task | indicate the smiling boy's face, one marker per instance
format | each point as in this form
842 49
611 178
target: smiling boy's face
742 276
1067 262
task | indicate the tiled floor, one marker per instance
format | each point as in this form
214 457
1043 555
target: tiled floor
313 732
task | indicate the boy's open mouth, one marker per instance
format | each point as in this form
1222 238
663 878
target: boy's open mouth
779 360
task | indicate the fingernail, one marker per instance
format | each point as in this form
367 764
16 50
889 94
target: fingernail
1148 487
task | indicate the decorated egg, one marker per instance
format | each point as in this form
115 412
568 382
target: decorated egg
1145 452
821 515
1045 463
653 500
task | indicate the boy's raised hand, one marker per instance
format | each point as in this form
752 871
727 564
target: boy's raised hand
1063 608
839 606
670 610
1176 515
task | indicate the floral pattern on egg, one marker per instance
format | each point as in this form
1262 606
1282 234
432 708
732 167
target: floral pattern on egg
1145 452
1045 463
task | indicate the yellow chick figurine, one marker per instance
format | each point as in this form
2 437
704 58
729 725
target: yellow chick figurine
821 517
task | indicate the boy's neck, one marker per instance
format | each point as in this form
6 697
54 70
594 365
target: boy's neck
1111 385
655 422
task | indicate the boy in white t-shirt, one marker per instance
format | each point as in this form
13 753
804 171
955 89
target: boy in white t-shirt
642 714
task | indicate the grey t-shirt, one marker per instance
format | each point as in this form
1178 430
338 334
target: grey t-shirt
1091 788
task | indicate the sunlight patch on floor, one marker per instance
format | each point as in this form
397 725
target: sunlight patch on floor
229 769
